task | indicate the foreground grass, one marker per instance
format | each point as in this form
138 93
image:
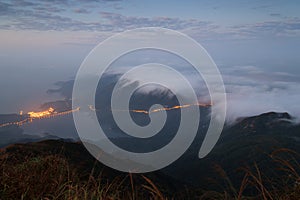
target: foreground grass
55 176
51 177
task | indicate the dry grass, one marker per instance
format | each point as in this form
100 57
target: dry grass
284 184
52 177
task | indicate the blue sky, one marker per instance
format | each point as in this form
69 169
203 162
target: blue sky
45 41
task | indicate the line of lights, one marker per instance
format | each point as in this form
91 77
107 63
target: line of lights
166 109
50 113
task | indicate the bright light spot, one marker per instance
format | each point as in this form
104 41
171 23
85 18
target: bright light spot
42 113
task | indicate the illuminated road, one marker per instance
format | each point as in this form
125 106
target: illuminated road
39 115
164 109
50 113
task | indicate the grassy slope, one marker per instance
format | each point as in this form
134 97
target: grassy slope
63 170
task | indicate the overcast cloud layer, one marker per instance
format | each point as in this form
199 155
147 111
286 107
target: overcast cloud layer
105 15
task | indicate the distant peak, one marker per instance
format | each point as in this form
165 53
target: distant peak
268 115
276 115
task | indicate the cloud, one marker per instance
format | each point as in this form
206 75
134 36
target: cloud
288 27
252 91
22 3
264 6
249 101
45 17
81 11
275 14
5 8
126 22
49 9
55 15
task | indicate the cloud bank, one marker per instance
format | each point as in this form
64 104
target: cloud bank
67 15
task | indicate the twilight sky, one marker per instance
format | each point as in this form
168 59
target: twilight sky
255 44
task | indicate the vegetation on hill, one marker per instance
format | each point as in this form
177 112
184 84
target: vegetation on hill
56 169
